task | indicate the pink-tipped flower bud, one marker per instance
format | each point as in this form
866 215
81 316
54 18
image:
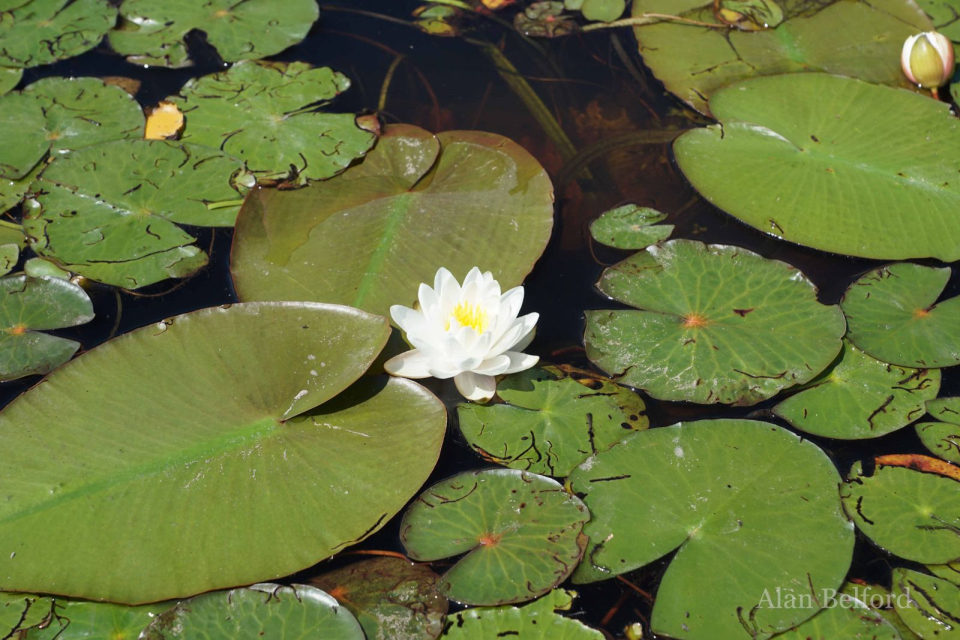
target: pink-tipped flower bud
927 59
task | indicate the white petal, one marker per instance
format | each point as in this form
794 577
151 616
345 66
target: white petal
429 300
493 366
521 327
444 370
525 341
476 387
473 275
448 289
411 364
519 361
412 322
508 307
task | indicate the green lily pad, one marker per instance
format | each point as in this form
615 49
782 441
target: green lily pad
390 597
234 419
728 496
860 397
152 32
538 620
943 14
846 618
18 611
630 227
603 10
28 306
521 533
266 114
9 255
79 620
949 572
260 611
929 606
941 438
56 115
910 513
550 422
9 79
12 192
893 315
43 31
110 212
39 268
544 20
945 409
370 236
804 157
713 324
857 38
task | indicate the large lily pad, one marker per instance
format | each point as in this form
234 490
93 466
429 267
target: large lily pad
714 324
929 606
550 422
160 464
805 157
912 513
266 114
79 620
860 397
390 597
859 38
370 236
109 212
260 611
57 115
28 306
152 32
728 496
39 32
893 315
538 620
521 533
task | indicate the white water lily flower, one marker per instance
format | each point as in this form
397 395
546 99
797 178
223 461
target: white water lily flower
469 333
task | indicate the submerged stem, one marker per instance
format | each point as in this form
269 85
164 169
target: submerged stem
11 225
387 79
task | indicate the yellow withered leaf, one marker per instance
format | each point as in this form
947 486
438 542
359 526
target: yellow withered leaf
164 121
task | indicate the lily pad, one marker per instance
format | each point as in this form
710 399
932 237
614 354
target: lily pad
9 255
110 212
893 315
79 620
18 611
40 32
152 32
860 397
941 438
390 597
28 306
550 422
805 157
603 10
929 606
630 227
266 114
370 236
57 115
538 620
234 419
713 324
9 79
857 38
260 611
521 533
949 572
725 495
846 618
12 192
912 513
945 409
39 268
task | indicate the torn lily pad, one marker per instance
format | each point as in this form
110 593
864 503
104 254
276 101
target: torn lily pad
860 397
550 421
522 534
712 324
110 212
929 606
630 227
538 620
152 32
81 620
893 315
40 32
267 115
29 306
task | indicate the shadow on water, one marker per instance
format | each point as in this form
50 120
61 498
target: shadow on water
601 99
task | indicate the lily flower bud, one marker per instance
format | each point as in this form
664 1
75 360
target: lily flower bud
927 59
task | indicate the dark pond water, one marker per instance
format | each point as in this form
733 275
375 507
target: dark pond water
601 97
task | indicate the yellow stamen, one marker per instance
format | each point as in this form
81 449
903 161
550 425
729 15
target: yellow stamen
468 315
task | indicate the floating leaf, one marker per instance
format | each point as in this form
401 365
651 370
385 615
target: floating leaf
946 409
914 514
78 620
261 611
43 31
9 79
941 438
858 38
370 236
630 227
603 10
231 423
29 305
943 14
521 533
9 255
266 114
749 15
929 606
12 192
535 621
949 572
152 32
40 268
544 20
860 397
715 324
165 121
726 495
893 315
844 617
57 115
18 611
110 212
390 597
550 422
806 157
